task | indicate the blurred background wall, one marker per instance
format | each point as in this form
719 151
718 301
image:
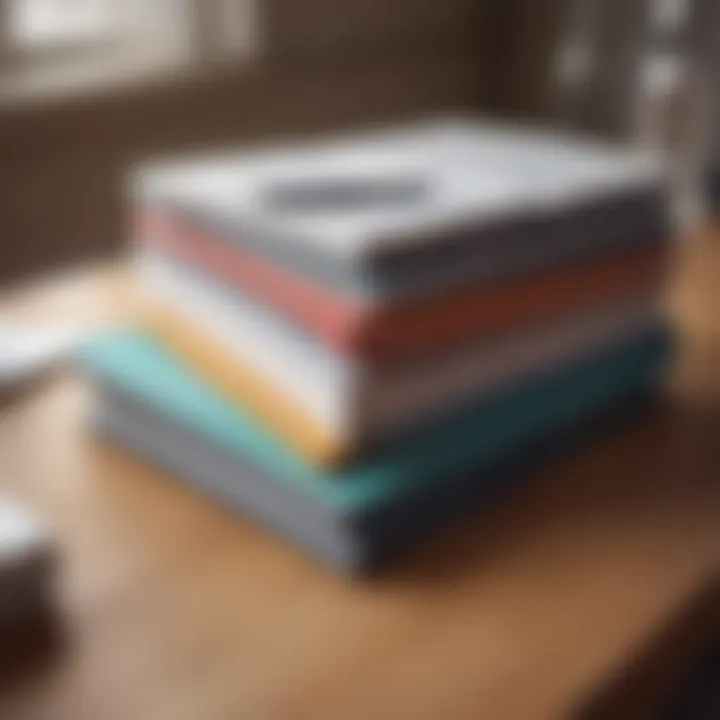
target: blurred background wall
313 65
82 103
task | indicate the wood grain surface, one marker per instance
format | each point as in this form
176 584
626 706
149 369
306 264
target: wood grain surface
172 607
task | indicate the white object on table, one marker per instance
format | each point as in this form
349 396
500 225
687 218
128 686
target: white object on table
27 351
26 564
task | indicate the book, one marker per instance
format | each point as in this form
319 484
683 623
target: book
382 335
465 259
329 408
151 404
412 209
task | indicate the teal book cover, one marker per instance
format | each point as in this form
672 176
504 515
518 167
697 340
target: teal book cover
133 362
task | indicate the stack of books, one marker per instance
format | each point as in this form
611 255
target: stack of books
355 338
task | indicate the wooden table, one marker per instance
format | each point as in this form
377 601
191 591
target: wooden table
173 607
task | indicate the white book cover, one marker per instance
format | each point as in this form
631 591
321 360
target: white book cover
356 402
350 198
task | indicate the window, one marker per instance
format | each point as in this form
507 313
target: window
36 24
68 45
670 15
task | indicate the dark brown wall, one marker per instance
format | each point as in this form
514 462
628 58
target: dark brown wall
327 64
524 38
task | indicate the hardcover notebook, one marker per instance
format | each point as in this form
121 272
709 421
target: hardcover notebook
329 408
382 335
469 256
151 403
346 207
